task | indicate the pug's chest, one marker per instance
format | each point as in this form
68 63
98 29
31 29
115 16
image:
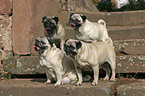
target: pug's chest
54 36
82 62
43 62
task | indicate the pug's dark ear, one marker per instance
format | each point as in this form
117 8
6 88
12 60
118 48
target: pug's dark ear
72 14
50 42
84 18
56 19
43 18
78 44
66 40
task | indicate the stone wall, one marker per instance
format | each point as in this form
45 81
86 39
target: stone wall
27 23
5 28
5 31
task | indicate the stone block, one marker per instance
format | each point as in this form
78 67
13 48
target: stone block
125 18
130 64
5 6
1 45
23 65
5 54
114 18
130 47
6 33
22 26
30 64
38 88
131 89
121 33
127 33
27 25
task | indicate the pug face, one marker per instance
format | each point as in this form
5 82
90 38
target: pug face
50 24
71 47
76 20
41 44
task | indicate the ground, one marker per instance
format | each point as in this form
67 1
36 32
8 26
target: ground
36 87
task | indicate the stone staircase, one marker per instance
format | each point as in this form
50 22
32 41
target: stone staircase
127 30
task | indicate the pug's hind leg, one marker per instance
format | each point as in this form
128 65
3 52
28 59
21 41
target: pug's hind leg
107 76
107 70
96 75
113 67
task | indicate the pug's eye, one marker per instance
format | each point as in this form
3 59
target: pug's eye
43 42
78 20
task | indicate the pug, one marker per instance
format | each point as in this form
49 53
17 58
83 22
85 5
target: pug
54 30
87 30
90 54
56 65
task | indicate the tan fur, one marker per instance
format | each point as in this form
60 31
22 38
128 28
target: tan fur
56 65
60 33
92 30
93 54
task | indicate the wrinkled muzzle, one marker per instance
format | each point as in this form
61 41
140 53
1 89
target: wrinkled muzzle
49 26
69 49
74 24
39 47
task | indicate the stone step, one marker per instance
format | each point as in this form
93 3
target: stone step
130 64
130 88
117 32
130 47
38 88
29 64
111 18
125 33
128 40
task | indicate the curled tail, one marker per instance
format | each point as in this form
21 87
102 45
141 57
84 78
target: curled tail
101 21
87 78
108 40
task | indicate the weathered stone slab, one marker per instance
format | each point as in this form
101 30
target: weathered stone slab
6 32
130 47
38 88
5 6
126 33
29 64
69 33
131 89
116 34
27 22
23 65
22 26
1 45
130 64
114 18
